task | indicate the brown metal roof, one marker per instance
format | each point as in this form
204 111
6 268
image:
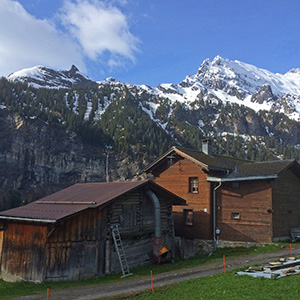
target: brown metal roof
79 197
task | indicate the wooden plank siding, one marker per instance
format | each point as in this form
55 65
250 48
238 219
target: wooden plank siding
252 200
81 246
76 247
23 253
176 179
1 244
286 204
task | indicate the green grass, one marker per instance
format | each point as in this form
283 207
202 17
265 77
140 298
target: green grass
9 290
226 287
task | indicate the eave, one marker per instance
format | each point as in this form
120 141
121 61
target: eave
246 178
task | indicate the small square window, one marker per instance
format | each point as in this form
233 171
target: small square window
188 216
235 216
193 185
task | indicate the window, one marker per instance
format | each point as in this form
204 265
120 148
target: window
235 216
193 185
188 216
128 218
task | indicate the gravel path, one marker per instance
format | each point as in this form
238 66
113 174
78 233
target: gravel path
142 284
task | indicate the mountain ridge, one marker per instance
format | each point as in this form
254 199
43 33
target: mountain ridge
133 124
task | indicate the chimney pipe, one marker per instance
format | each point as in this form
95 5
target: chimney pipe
207 146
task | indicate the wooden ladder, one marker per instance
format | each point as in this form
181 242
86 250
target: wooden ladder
120 250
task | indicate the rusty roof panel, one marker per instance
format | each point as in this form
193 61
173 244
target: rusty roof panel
77 198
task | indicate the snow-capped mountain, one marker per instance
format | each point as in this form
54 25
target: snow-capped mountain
42 77
217 80
249 112
237 82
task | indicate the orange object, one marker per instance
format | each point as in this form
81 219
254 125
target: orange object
47 293
291 253
224 263
152 282
163 250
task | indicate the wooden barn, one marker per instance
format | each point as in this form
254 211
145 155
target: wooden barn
230 199
68 235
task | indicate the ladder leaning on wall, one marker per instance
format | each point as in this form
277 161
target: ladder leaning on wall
120 250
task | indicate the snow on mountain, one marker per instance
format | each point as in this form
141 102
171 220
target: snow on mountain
237 82
42 77
220 80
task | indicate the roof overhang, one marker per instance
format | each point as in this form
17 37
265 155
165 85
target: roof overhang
159 160
246 178
27 219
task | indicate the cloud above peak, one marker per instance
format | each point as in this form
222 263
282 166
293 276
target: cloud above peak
99 27
26 41
84 31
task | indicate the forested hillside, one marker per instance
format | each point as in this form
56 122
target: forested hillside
84 126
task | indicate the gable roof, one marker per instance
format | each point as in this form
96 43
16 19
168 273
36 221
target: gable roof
236 169
210 162
80 197
259 170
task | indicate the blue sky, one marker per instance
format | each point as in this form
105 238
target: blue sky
147 42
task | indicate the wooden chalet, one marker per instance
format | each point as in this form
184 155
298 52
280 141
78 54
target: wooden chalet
68 236
230 199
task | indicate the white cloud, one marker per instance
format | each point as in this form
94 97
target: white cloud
88 30
26 41
99 28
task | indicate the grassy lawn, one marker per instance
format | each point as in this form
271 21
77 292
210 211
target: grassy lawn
9 290
227 286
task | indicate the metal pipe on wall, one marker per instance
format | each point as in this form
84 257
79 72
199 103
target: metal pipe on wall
215 215
156 204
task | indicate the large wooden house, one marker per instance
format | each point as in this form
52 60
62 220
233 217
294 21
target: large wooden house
68 236
230 199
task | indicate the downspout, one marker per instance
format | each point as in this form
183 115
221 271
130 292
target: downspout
215 215
156 204
157 245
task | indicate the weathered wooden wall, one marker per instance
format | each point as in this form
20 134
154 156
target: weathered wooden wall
1 243
23 253
253 201
76 248
176 179
80 246
135 215
286 204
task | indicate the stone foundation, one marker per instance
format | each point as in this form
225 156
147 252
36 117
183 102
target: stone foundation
234 244
186 248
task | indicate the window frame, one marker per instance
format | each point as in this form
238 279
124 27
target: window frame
188 216
237 217
193 185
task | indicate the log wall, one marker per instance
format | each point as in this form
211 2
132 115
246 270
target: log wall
135 215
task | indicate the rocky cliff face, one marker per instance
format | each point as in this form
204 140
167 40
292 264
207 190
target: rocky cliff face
37 159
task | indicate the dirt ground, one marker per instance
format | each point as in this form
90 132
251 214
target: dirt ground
135 285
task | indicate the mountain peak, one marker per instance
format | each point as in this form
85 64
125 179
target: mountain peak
74 69
40 76
218 60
